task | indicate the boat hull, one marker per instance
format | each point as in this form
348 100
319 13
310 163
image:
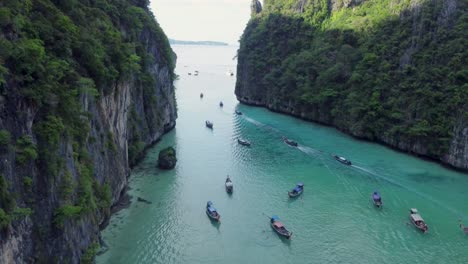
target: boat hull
291 143
424 229
212 217
294 195
345 162
244 143
285 234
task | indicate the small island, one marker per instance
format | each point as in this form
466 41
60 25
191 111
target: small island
206 42
167 158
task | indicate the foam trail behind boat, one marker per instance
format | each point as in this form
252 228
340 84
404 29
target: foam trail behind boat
309 151
387 179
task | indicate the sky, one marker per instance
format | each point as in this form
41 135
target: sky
215 20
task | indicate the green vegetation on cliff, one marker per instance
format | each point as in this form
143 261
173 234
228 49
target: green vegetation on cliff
68 70
391 71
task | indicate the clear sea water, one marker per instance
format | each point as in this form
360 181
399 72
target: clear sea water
334 220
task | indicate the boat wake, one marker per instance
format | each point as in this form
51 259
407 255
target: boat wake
316 153
309 151
421 194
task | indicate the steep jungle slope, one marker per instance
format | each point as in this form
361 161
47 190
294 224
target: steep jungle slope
85 87
391 71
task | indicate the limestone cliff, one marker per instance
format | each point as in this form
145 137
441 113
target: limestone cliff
85 87
387 71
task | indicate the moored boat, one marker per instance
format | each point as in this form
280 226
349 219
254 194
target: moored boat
418 221
229 185
279 227
243 142
290 142
463 227
209 124
212 212
297 190
342 160
377 199
238 112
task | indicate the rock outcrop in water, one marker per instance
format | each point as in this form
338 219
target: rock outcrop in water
167 158
387 71
85 87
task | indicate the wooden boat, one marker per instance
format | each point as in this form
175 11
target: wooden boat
243 142
229 185
342 160
418 221
238 112
211 212
279 227
463 227
221 104
296 191
377 199
209 124
290 142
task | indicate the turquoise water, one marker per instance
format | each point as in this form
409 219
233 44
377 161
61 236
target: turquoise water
334 220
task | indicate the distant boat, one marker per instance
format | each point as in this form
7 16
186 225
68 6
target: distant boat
238 112
211 212
243 142
230 73
201 95
279 227
209 124
221 104
297 190
290 142
189 73
465 229
418 221
377 199
342 160
229 185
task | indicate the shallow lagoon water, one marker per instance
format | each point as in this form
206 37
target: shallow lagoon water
334 220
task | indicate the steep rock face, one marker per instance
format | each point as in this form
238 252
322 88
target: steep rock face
392 76
62 176
255 7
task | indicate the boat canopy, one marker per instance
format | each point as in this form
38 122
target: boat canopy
341 158
229 184
300 184
278 224
275 217
209 203
211 209
414 210
376 196
297 189
416 217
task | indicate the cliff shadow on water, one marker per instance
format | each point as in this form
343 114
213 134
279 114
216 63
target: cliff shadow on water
378 70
